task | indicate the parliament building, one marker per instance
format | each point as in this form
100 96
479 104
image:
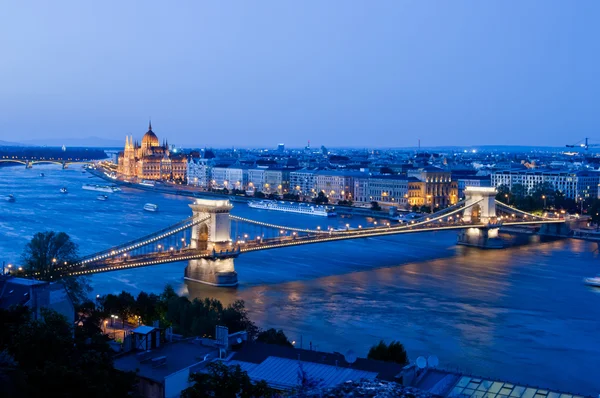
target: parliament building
150 160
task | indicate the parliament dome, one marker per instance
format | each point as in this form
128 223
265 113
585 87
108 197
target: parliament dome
150 139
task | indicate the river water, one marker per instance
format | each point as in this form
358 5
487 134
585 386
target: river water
520 314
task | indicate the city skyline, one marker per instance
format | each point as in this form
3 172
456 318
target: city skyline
377 75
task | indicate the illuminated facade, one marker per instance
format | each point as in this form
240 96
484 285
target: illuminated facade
150 160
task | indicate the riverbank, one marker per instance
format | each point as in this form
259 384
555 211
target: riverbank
193 192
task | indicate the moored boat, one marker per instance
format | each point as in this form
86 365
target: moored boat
594 281
102 197
101 188
151 207
10 198
291 207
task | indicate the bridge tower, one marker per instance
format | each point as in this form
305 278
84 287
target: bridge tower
480 202
208 235
483 199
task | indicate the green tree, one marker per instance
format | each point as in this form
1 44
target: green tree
375 206
48 251
55 364
503 193
394 352
225 381
147 307
518 191
259 195
78 288
594 212
321 198
273 336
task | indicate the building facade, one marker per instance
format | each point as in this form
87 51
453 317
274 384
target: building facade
574 185
150 160
390 189
199 172
431 186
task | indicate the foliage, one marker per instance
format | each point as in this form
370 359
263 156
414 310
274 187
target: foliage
375 206
273 196
321 198
415 208
425 209
594 211
78 288
394 352
291 196
200 317
122 305
273 336
225 382
307 386
52 362
259 195
345 203
47 251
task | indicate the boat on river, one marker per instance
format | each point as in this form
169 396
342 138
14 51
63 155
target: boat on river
42 175
292 207
101 188
64 190
10 198
594 281
102 197
151 207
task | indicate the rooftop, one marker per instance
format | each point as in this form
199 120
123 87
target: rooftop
179 356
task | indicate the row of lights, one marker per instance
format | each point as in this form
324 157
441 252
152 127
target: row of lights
144 243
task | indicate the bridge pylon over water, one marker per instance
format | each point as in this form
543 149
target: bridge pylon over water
208 235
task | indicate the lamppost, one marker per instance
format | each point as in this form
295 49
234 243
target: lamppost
544 197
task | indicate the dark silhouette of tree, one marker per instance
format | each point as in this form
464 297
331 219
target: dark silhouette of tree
273 336
225 381
259 195
321 198
53 363
375 206
48 251
394 352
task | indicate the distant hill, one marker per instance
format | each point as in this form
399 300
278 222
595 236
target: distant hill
78 142
7 143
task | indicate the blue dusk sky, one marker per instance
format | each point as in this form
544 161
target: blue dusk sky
340 73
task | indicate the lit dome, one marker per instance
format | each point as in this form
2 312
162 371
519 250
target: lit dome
150 139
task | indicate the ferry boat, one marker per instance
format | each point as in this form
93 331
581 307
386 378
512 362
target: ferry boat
10 198
595 281
64 190
147 183
102 197
101 188
150 207
291 207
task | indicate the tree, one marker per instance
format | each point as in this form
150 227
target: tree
225 381
78 288
503 193
53 363
394 352
147 306
291 196
259 195
321 198
375 206
272 336
48 251
594 211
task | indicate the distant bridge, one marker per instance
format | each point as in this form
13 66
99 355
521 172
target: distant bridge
212 238
28 163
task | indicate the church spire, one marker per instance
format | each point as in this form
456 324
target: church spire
126 142
149 124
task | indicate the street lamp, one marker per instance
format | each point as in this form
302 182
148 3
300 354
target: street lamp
544 197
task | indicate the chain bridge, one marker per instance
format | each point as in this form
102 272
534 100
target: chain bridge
212 238
28 163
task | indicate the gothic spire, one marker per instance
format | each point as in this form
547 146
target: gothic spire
149 124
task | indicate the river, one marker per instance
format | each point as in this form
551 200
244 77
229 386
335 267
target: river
520 314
